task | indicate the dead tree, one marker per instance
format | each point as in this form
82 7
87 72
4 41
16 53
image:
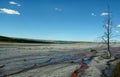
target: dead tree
108 31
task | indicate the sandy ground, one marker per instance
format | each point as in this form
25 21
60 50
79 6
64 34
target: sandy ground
44 60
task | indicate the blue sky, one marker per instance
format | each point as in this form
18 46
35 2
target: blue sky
76 20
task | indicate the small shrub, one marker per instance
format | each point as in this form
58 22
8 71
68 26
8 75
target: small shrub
106 57
116 72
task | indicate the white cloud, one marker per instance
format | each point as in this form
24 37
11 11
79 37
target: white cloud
104 14
14 3
9 11
93 14
116 31
118 25
107 25
58 9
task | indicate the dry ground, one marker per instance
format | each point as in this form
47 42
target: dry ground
41 60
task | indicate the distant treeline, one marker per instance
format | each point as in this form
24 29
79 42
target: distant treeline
21 40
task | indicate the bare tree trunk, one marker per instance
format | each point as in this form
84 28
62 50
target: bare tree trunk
108 31
107 36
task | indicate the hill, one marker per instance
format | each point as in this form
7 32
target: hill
21 40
